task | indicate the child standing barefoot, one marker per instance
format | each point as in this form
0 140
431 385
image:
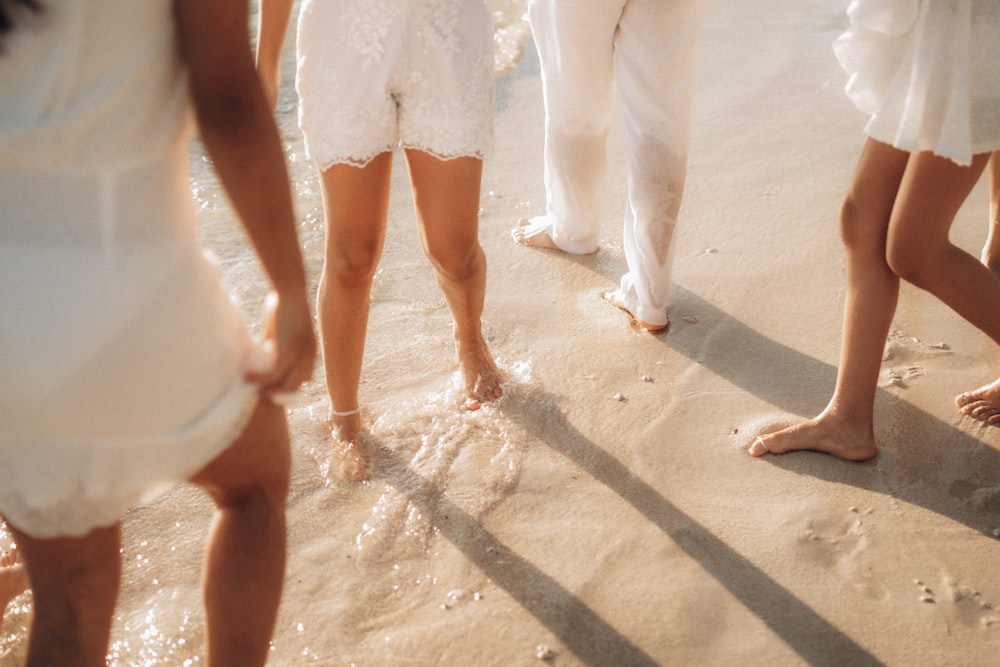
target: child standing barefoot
371 76
126 367
928 75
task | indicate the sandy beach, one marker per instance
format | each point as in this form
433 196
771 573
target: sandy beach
605 513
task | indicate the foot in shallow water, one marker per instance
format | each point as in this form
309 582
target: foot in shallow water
482 381
982 404
823 434
614 297
349 451
533 233
13 578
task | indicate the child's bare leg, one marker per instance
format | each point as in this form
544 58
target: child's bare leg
920 252
356 201
446 194
13 579
845 427
74 584
245 558
991 250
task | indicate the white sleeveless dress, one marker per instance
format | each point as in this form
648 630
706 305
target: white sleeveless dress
927 72
121 357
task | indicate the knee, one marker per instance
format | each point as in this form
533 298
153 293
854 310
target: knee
254 472
911 260
352 265
860 232
268 487
458 264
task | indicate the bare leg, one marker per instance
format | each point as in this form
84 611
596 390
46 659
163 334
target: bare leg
245 559
446 194
991 251
356 202
75 582
920 252
845 427
13 579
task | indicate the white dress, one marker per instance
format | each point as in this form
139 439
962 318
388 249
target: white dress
121 357
927 72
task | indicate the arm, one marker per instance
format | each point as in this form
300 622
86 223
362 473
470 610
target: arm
274 15
243 142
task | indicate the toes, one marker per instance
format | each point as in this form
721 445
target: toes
963 400
758 448
984 412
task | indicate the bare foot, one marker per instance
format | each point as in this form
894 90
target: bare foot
823 434
615 299
13 579
348 444
982 404
533 233
480 376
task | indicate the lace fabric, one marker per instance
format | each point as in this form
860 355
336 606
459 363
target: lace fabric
374 74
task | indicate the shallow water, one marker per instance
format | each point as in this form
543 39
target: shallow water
423 468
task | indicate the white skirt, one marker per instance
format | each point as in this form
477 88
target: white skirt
927 73
121 355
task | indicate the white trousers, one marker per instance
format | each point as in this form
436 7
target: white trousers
643 52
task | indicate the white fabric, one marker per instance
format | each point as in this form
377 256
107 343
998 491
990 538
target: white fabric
645 50
373 74
122 359
927 72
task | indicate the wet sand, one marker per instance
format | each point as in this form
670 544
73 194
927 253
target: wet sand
605 512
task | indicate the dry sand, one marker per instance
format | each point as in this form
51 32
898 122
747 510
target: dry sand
605 511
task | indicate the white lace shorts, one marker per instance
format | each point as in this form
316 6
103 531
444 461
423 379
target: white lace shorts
374 74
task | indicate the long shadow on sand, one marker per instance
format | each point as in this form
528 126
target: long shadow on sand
923 460
592 639
810 635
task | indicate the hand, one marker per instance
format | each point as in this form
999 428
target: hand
288 333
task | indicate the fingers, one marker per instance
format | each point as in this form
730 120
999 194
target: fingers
288 333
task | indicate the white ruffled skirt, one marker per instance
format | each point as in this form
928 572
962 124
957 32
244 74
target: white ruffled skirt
927 73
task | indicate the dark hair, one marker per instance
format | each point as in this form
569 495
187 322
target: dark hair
7 8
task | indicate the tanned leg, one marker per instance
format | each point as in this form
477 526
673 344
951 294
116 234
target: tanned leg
845 427
356 200
74 583
245 558
921 252
446 194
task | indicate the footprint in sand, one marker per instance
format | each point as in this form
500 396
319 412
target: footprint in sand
959 604
838 541
905 357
